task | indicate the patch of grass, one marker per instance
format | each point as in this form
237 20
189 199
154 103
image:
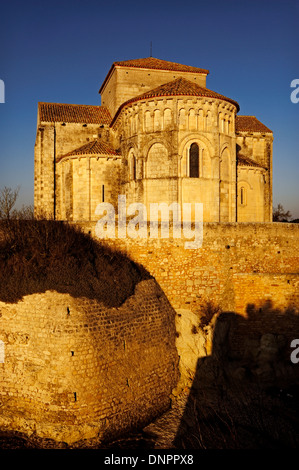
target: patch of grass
207 312
40 255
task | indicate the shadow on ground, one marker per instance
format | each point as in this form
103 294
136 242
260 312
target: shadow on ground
246 393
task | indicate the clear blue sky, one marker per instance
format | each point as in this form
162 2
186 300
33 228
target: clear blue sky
61 51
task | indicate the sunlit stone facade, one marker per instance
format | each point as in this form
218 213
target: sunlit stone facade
160 136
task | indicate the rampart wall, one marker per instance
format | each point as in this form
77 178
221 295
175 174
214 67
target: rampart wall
75 369
239 264
248 269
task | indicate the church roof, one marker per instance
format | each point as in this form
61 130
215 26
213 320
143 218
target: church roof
159 64
80 113
156 64
178 87
246 161
250 124
96 147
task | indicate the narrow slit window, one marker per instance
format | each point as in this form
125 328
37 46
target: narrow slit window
134 168
103 193
194 161
243 196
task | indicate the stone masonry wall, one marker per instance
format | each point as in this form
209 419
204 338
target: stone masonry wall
249 270
84 182
126 83
75 369
237 265
56 138
259 147
159 132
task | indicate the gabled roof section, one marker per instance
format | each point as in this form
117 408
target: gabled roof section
178 87
250 124
96 147
246 161
79 113
182 87
156 64
159 64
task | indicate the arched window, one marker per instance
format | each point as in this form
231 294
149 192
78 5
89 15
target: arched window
147 121
157 120
208 120
157 164
192 120
194 161
167 118
182 119
221 122
200 120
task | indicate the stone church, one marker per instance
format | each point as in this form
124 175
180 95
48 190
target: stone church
159 135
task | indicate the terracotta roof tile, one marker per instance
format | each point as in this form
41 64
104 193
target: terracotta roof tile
85 114
156 64
178 87
96 147
246 161
159 64
250 124
182 86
